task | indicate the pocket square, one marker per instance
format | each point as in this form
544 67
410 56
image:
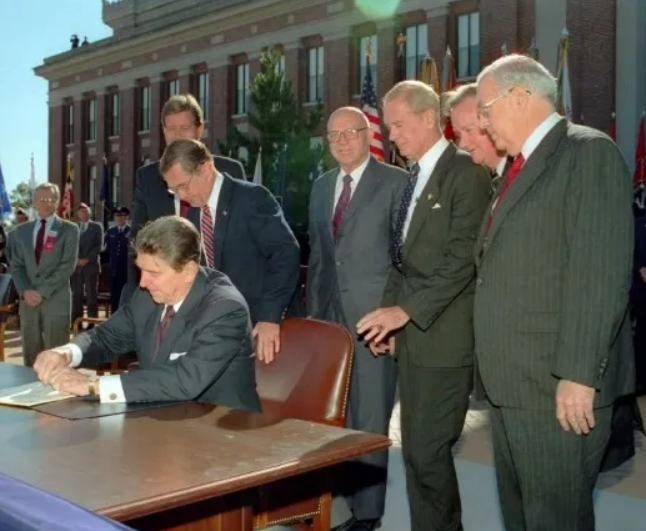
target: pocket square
176 355
436 206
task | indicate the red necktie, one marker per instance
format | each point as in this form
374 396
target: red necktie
184 207
513 172
206 225
40 240
163 327
341 205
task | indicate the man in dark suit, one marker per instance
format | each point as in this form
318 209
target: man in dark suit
351 213
428 300
181 117
116 242
42 254
189 326
551 328
244 235
85 280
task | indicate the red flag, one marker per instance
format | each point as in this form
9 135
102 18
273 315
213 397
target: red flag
612 130
67 204
639 179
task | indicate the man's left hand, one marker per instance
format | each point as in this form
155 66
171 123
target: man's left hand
575 406
72 382
267 339
375 326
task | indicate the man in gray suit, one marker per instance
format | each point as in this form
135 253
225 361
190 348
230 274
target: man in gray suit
351 214
554 265
42 256
428 300
189 326
85 281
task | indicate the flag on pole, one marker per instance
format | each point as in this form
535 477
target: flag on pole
612 130
257 172
449 82
5 204
67 205
428 73
563 76
106 204
32 187
371 110
639 177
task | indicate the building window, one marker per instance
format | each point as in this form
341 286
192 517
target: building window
144 109
315 69
363 48
114 114
91 200
91 119
242 88
468 45
280 65
172 87
203 92
115 192
69 123
416 49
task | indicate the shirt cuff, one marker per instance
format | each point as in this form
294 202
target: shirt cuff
111 390
74 350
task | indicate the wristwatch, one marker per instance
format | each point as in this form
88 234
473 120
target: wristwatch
91 387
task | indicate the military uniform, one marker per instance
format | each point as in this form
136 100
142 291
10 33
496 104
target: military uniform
116 241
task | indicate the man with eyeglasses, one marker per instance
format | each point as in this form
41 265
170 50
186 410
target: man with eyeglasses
352 209
42 258
244 234
554 262
426 314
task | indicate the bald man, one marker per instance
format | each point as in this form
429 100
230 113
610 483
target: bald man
351 212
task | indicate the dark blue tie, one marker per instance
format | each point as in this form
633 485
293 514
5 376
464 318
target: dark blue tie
398 234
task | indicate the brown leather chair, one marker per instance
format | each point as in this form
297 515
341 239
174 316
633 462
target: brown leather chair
308 380
8 306
103 291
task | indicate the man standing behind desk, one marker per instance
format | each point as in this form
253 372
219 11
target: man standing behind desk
351 214
117 243
85 280
554 264
189 326
244 235
42 257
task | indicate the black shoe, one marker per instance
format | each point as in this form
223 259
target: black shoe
345 526
364 525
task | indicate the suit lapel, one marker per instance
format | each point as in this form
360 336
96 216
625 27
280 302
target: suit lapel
429 197
153 324
532 169
222 216
328 204
178 323
47 256
364 192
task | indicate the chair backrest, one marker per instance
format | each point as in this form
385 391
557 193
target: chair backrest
310 377
8 292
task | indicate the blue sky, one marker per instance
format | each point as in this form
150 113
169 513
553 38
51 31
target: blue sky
32 30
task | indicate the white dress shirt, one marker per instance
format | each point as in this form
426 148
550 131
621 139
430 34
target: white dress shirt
426 167
539 134
500 169
356 176
110 388
48 228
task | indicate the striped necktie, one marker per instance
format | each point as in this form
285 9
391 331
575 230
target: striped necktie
206 226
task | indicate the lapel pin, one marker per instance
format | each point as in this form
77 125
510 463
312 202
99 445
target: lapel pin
429 197
225 212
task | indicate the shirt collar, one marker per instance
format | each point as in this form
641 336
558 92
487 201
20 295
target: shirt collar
215 191
500 168
356 173
539 134
428 161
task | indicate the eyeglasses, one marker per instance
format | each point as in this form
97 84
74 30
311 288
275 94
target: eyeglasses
182 187
348 134
484 109
47 200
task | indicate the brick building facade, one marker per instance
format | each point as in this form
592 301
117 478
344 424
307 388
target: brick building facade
105 98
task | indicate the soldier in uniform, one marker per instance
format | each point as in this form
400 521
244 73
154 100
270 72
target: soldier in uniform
116 242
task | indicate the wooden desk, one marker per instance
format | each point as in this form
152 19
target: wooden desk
189 467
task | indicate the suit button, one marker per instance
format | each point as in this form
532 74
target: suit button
479 281
339 263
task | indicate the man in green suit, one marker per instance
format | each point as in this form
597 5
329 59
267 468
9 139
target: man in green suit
428 300
554 263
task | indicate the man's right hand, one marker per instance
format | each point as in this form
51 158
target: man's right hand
379 349
49 363
32 297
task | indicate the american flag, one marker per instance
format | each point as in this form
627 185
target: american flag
369 108
67 205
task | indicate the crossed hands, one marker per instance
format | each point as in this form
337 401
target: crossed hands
53 369
378 326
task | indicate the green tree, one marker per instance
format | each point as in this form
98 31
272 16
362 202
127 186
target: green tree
277 120
20 196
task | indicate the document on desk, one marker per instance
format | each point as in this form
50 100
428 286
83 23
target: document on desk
31 394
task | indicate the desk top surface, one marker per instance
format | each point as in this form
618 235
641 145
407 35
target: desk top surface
125 466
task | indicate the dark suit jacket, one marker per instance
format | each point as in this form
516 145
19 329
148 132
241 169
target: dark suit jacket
554 273
211 331
436 281
90 243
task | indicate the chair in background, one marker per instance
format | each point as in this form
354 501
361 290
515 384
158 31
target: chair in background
308 380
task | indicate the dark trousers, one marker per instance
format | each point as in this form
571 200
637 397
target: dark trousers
546 476
117 282
85 284
434 404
